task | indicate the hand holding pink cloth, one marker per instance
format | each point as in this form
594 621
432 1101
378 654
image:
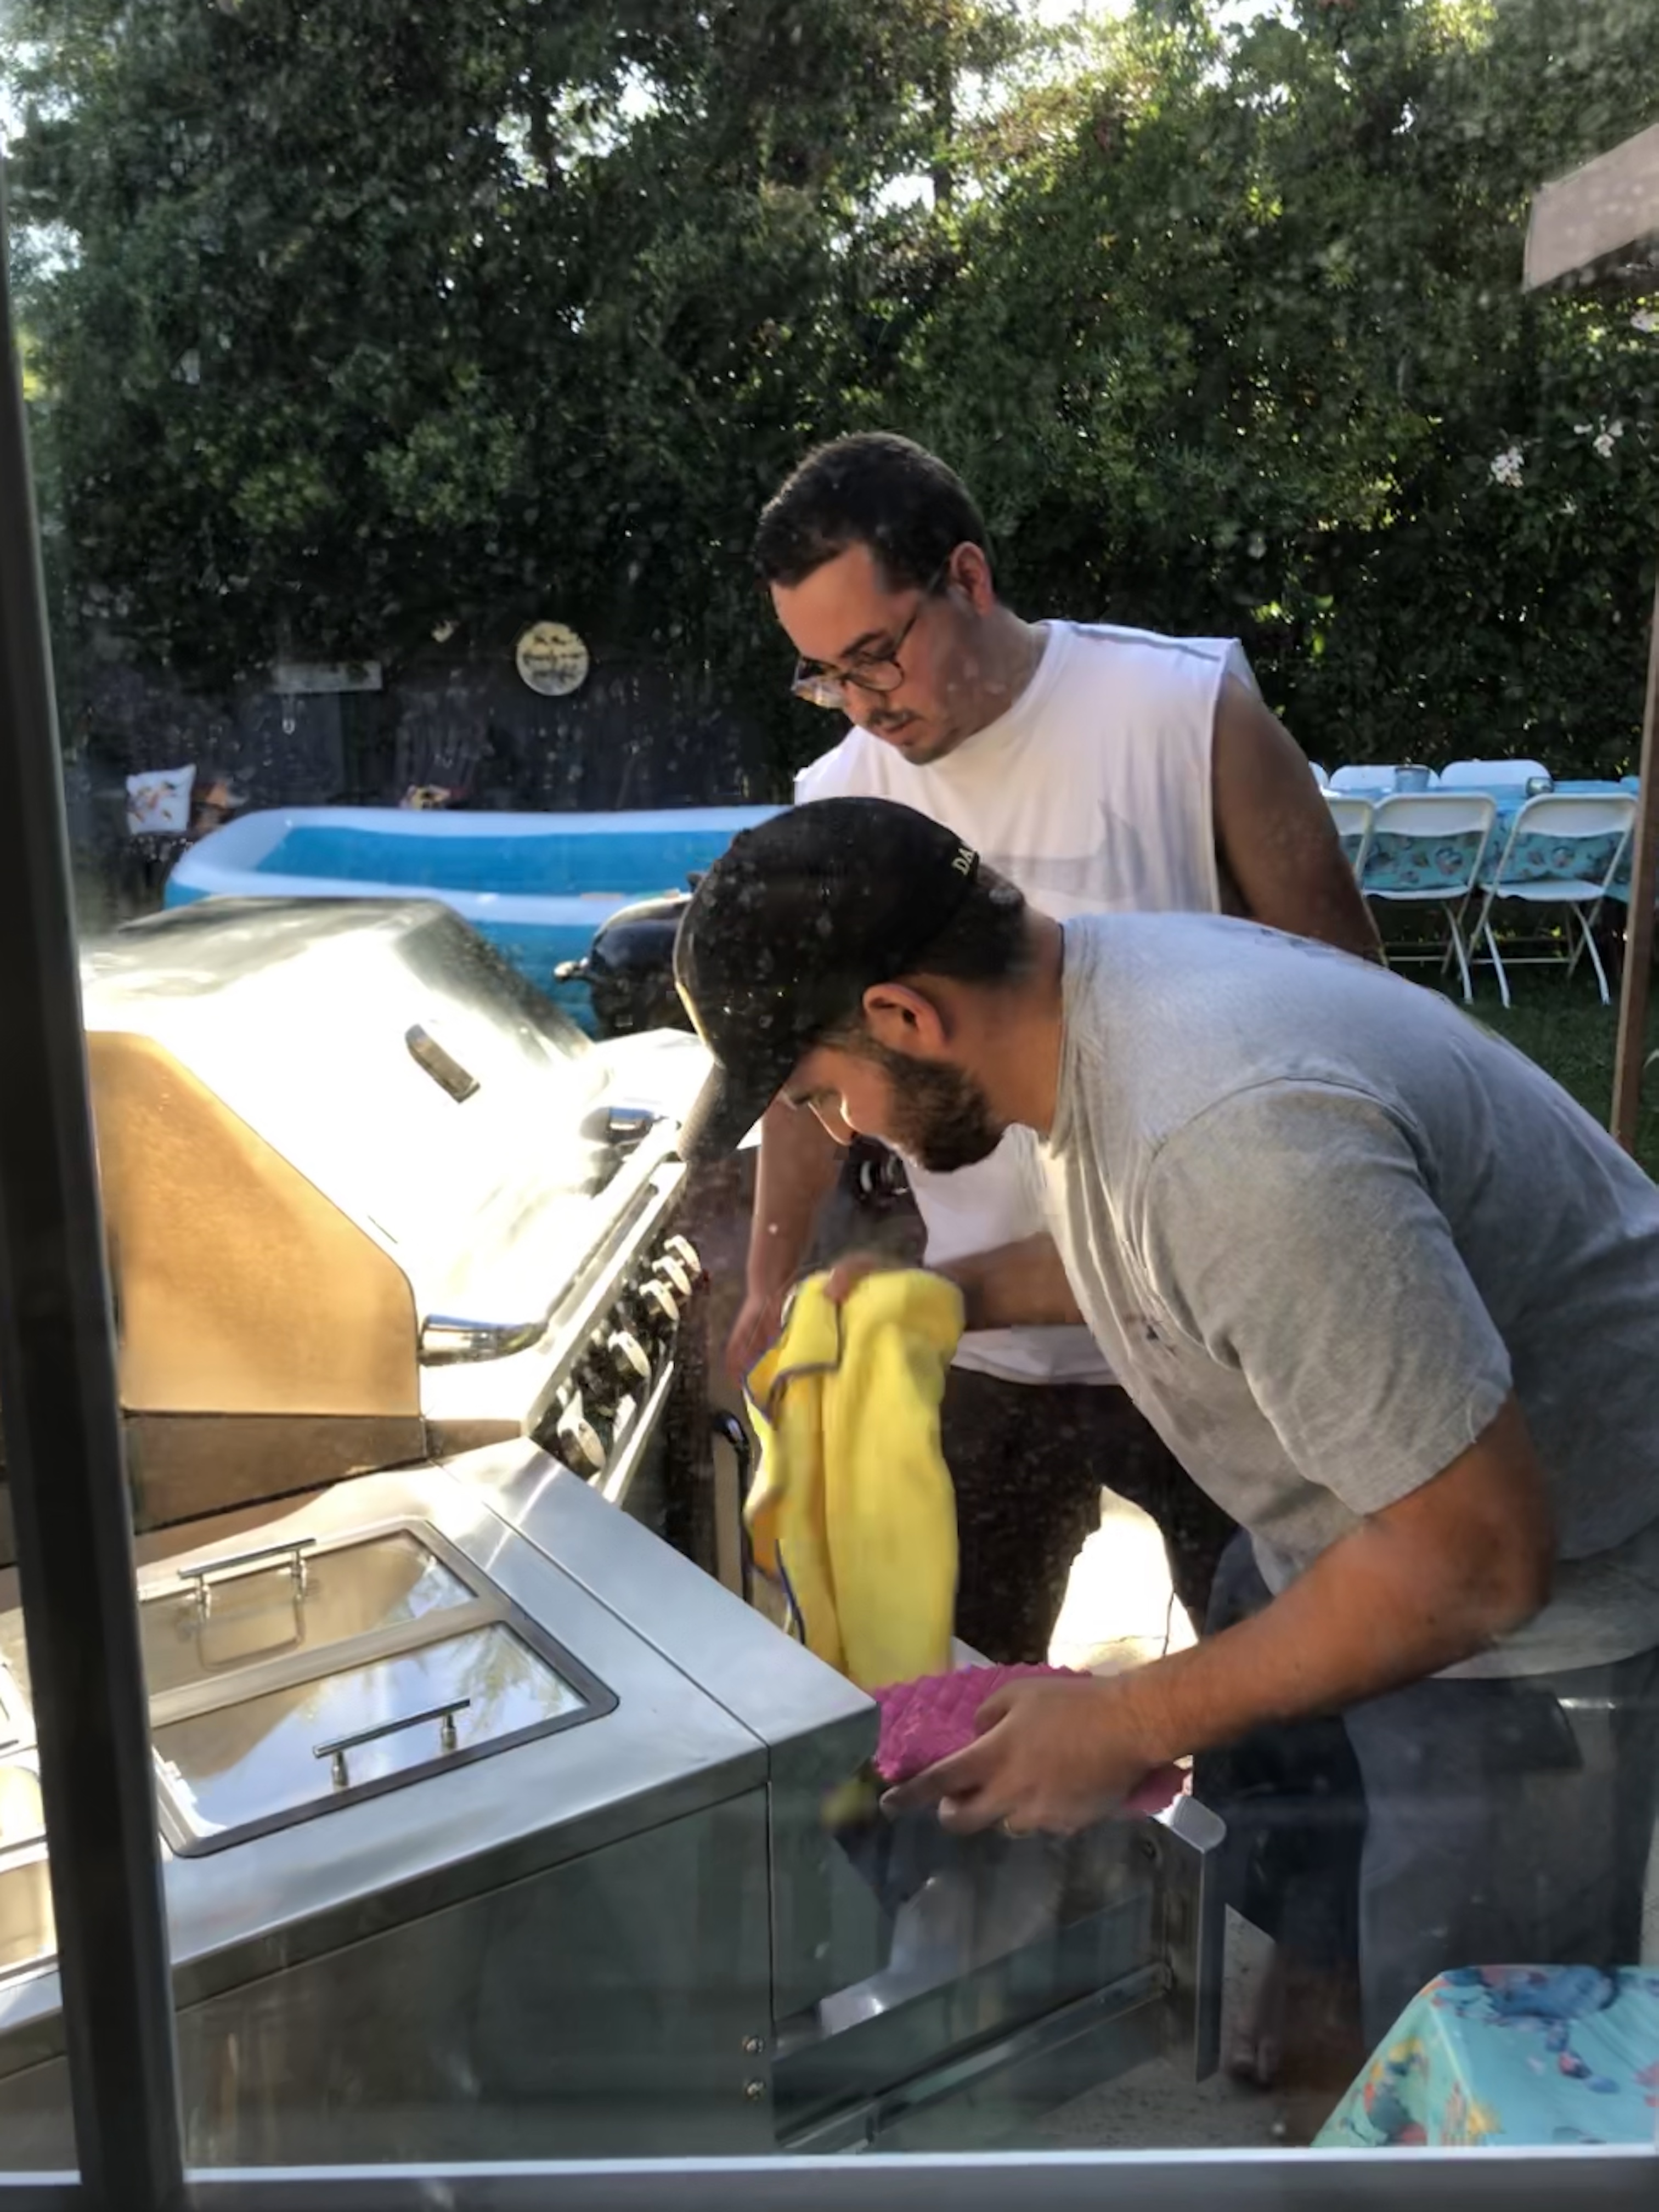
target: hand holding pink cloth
926 1720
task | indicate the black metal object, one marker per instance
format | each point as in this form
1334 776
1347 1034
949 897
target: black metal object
729 1429
876 1176
62 1434
629 969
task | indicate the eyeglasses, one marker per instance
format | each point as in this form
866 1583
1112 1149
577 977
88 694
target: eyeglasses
821 685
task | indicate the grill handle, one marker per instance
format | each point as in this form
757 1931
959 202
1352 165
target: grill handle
334 1751
448 1339
243 1563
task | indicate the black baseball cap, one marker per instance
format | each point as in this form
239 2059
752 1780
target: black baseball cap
788 930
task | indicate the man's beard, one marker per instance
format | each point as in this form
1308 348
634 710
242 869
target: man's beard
941 1119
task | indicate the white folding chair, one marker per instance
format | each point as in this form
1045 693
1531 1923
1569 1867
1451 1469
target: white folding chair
1457 828
1352 819
1319 775
1499 772
1571 823
1367 776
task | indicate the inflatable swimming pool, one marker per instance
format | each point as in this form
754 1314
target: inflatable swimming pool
537 885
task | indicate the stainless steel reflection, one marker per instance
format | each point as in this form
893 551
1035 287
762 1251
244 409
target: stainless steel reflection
204 1578
337 1752
21 1820
610 1913
28 1933
364 1209
347 1592
244 1767
495 1828
391 1630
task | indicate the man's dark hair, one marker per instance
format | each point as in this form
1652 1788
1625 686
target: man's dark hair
984 942
873 489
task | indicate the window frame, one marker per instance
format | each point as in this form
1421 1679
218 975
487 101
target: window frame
80 1608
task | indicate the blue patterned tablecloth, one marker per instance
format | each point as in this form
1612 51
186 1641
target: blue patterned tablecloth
1512 2055
1397 863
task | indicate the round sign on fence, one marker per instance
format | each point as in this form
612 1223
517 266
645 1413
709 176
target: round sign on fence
552 659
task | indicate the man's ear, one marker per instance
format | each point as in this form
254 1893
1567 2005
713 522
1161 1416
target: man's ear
905 1020
970 572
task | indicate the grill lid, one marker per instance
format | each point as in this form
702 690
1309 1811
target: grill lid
388 1055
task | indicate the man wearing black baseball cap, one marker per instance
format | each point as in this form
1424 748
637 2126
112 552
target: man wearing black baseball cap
1327 1230
788 930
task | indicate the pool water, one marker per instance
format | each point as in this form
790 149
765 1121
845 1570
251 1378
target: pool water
625 864
536 886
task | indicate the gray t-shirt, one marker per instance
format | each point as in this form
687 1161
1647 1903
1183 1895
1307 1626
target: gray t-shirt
1323 1224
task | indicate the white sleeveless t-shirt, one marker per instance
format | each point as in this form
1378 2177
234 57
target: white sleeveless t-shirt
1092 793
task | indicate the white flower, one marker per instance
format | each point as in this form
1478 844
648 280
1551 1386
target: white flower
1508 466
1569 506
1604 445
1646 319
1615 429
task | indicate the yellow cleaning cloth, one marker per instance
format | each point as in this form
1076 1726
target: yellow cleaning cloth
851 1514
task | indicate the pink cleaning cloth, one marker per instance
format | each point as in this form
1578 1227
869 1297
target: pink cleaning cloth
925 1721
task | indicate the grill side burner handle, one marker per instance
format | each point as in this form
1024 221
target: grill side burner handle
245 1563
334 1751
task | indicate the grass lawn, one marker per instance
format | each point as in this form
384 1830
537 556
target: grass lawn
1564 1026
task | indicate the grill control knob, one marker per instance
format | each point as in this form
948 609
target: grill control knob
683 1249
629 1357
660 1307
672 1271
580 1439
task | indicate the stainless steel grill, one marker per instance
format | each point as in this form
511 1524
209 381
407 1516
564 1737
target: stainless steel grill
371 1200
493 1825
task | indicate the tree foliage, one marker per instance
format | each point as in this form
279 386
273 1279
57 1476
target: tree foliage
354 320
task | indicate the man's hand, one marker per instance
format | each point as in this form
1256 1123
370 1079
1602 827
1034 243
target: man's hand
760 1321
1016 1285
1432 1579
852 1268
758 1324
1051 1756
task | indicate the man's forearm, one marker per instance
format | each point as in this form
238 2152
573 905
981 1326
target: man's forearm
797 1165
1020 1285
1379 1609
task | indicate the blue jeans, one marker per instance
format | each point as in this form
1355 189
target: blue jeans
1448 1824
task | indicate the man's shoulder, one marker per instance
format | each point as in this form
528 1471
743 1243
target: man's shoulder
1096 648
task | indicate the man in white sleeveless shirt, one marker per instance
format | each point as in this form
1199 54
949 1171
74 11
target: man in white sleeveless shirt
1097 769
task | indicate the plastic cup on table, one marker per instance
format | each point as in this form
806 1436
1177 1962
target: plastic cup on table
1411 778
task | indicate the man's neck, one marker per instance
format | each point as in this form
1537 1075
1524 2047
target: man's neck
1009 651
1020 1073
